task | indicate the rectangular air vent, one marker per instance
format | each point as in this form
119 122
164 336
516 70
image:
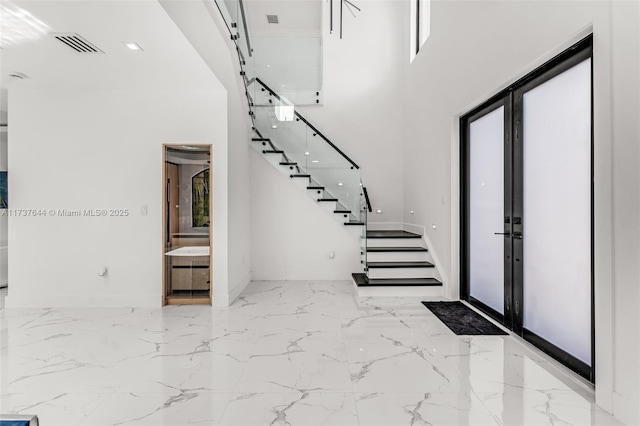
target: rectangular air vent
272 19
76 42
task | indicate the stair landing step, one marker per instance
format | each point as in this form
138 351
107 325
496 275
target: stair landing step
400 265
363 281
392 234
342 211
288 164
272 152
354 223
300 176
395 249
327 199
315 187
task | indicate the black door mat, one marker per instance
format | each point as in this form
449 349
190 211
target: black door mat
462 320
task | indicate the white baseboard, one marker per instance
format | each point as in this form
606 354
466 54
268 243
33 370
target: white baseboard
440 272
238 288
626 410
67 301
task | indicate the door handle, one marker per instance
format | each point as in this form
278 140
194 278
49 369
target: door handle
517 235
502 233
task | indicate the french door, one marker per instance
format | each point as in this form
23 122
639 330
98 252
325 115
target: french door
527 208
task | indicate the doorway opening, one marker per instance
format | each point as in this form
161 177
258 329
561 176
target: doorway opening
527 251
187 241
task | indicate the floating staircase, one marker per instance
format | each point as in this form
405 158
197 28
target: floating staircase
279 159
394 263
397 264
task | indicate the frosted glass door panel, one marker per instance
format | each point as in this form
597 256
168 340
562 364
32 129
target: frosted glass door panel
557 211
486 210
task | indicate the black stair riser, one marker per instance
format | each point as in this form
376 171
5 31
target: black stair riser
392 234
400 285
363 281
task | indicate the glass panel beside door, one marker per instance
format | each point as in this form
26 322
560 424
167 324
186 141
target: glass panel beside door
486 194
556 210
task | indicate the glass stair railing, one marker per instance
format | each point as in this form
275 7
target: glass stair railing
276 119
288 140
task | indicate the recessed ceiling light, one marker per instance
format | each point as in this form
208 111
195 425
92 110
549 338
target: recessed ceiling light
19 26
379 211
268 66
314 161
274 127
307 153
133 46
340 183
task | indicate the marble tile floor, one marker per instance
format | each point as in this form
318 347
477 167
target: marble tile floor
285 353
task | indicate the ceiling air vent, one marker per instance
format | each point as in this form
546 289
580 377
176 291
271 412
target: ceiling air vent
18 75
272 19
76 42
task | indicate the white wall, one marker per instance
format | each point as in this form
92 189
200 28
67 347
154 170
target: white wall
201 24
361 113
292 235
475 49
100 149
625 79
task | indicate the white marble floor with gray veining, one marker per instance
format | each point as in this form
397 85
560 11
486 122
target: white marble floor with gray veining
285 353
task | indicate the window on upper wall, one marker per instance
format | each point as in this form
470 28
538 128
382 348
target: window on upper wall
420 25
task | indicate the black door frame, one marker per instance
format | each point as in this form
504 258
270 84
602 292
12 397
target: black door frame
465 158
511 99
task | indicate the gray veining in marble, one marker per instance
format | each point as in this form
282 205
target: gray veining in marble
285 353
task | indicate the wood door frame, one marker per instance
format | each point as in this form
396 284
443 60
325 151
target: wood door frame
198 300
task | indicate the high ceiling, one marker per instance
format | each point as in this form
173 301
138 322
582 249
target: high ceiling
167 61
